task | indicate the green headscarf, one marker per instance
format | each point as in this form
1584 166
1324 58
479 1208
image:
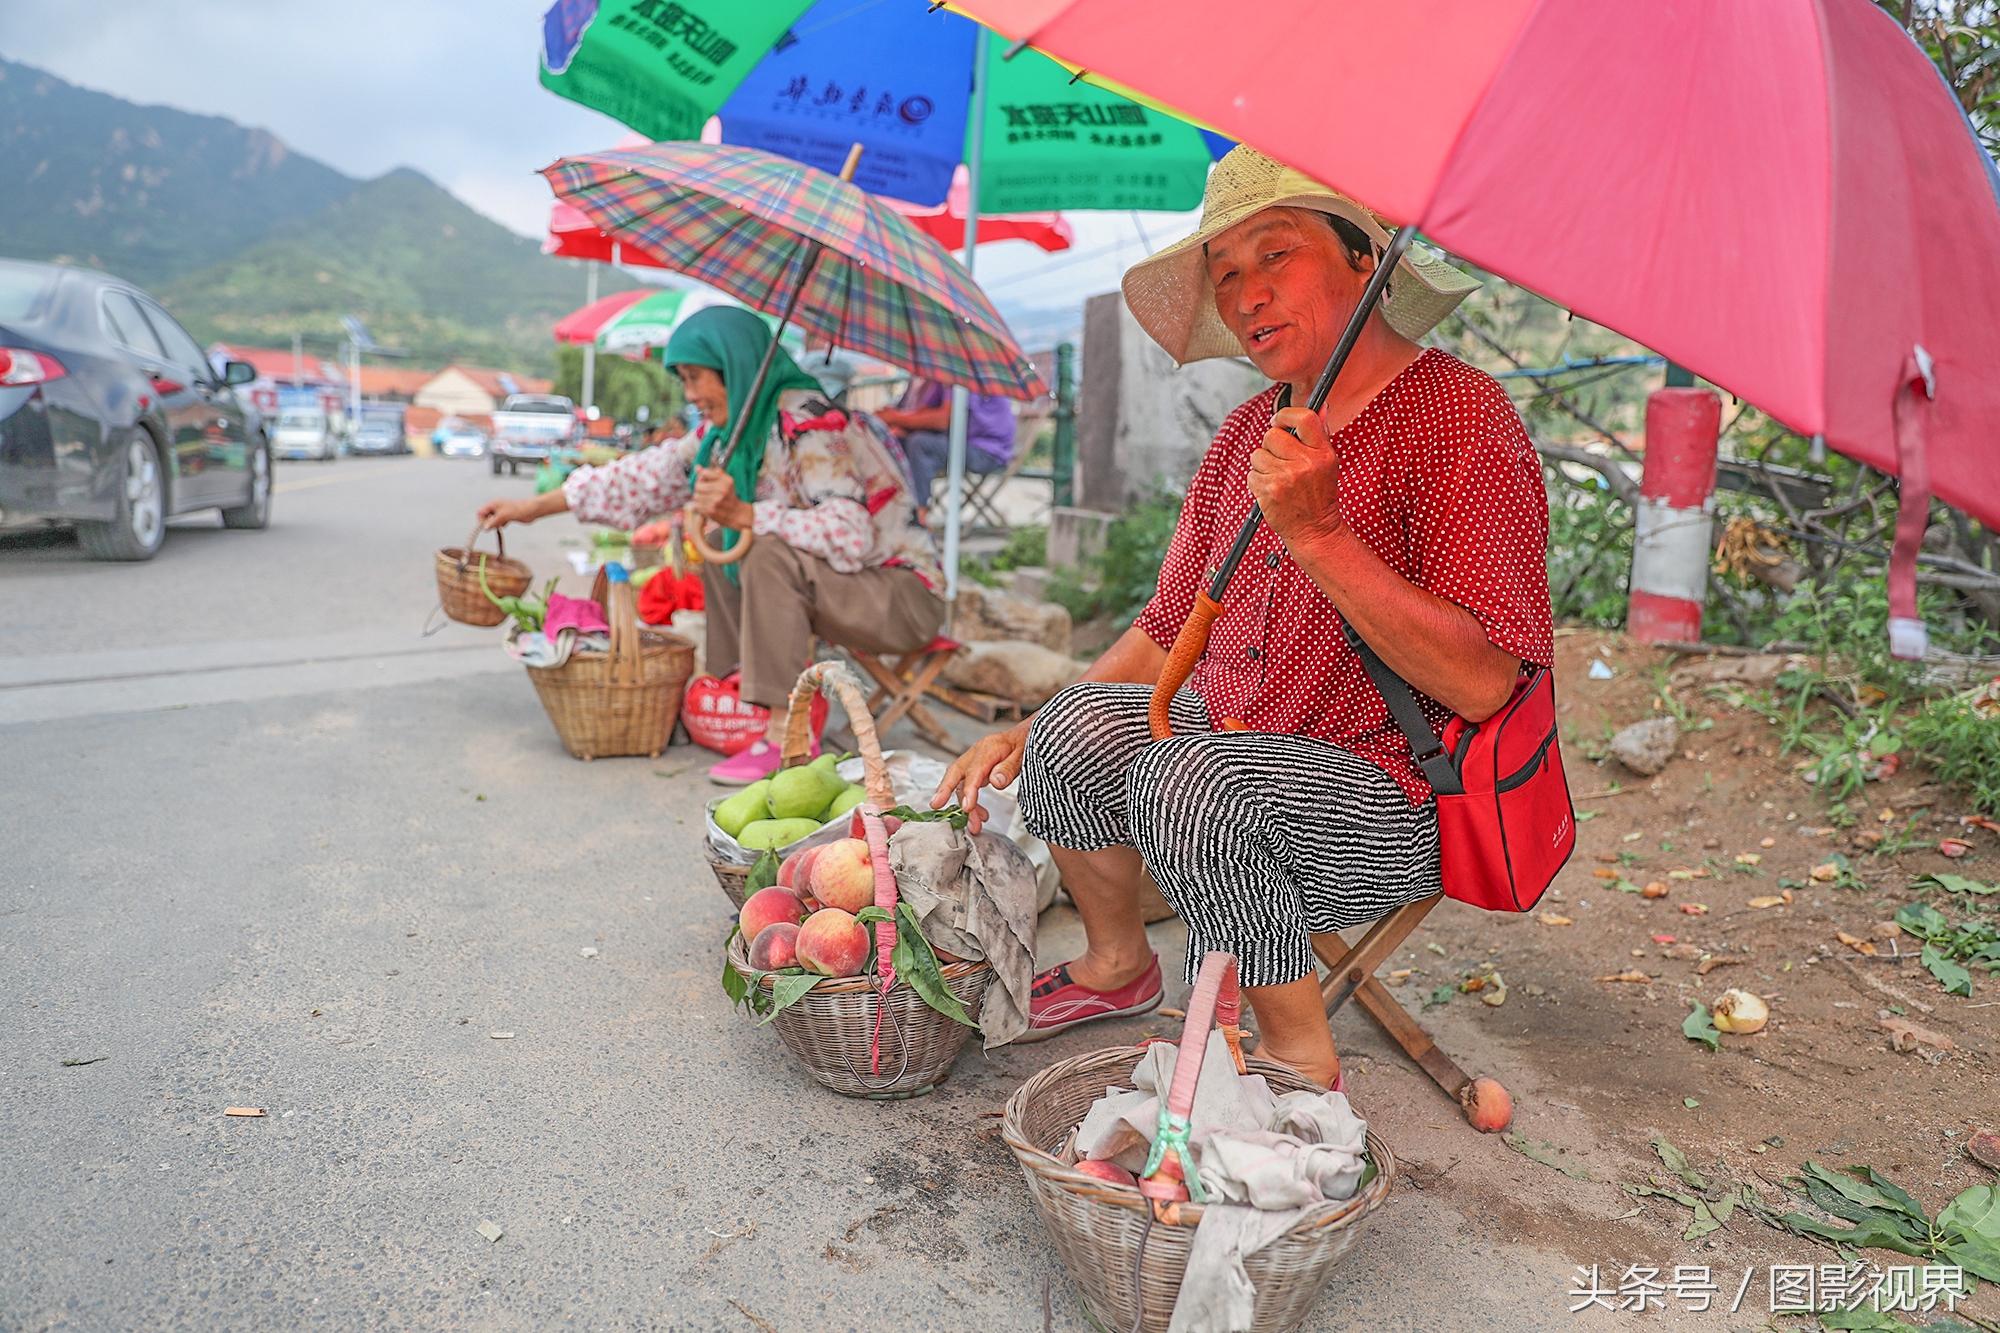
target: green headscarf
731 341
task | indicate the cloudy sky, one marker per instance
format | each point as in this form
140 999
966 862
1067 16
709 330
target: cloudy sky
447 87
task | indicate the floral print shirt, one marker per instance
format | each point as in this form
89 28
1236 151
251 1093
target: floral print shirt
830 487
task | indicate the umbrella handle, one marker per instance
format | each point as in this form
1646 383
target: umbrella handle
715 555
1188 647
1192 641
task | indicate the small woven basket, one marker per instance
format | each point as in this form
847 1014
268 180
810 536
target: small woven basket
734 879
458 570
1125 1252
842 1025
626 701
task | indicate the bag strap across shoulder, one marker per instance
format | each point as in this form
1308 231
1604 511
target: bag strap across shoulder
1425 746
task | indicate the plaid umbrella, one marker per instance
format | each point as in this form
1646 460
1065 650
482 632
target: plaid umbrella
740 219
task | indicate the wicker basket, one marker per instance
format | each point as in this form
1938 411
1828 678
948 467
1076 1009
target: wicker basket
626 701
1123 1250
734 879
833 1028
458 569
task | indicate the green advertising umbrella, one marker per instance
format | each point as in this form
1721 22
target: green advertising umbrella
809 78
651 321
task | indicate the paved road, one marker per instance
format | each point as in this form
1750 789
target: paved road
267 846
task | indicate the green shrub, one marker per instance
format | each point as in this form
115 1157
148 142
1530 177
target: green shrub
1590 552
1961 747
1118 581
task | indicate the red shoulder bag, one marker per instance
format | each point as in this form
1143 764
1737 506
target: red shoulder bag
1505 822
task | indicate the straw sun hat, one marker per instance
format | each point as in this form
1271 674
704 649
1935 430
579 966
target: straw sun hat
1170 294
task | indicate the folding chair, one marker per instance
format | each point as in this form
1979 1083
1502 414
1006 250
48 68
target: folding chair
982 489
1351 976
901 686
982 494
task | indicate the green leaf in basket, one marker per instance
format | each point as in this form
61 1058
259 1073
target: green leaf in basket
951 815
762 875
915 963
870 914
734 984
787 989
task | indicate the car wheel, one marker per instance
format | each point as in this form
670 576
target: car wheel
140 521
257 513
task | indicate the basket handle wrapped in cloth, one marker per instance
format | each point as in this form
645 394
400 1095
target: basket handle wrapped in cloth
1216 998
835 680
612 590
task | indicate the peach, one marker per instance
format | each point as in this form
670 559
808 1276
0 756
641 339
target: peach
776 946
769 906
843 876
1487 1105
856 829
1107 1170
796 872
833 944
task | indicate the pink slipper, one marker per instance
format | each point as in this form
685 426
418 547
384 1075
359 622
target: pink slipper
755 764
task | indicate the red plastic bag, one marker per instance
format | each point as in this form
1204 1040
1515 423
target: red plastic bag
717 718
665 594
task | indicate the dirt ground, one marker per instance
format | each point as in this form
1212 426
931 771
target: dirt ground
1599 1068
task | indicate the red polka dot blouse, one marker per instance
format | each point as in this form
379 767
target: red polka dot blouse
1438 477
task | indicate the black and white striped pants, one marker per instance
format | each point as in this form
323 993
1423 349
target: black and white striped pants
1259 841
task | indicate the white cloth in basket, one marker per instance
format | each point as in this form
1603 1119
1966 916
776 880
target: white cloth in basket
1263 1158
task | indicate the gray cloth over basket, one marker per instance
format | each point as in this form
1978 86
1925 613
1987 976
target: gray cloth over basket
1264 1160
975 897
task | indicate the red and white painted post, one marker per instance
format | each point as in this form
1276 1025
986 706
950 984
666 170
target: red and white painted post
1676 520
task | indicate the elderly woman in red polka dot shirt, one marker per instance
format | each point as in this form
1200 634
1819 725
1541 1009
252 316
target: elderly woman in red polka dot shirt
1412 507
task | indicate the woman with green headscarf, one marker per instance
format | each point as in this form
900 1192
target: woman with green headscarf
838 554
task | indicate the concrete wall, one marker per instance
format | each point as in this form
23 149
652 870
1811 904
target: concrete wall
1142 423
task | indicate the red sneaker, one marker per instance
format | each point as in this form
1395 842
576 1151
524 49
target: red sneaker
1056 1003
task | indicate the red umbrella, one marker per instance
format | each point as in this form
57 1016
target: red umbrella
574 236
945 223
1782 196
582 325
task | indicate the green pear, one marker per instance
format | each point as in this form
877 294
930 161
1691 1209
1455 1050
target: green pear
803 793
826 763
852 795
766 834
745 807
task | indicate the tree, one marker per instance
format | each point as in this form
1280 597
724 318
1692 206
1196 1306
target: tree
622 386
1962 38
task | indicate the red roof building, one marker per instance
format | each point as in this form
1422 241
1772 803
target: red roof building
280 366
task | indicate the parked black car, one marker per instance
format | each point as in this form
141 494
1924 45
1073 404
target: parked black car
111 417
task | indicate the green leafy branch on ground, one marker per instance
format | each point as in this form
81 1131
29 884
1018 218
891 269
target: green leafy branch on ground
1947 948
1867 1211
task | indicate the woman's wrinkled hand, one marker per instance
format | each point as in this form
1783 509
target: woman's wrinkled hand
499 513
1295 477
715 499
992 762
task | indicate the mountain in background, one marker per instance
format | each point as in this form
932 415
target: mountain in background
247 241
